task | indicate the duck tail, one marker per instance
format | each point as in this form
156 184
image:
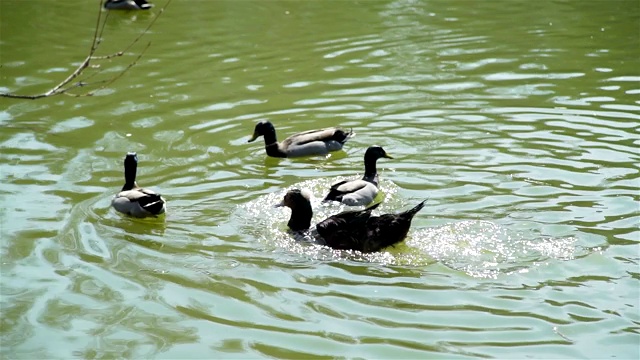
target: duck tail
153 203
350 134
342 136
411 213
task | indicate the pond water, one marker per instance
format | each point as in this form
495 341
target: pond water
519 121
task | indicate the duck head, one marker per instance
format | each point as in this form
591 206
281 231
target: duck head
298 201
295 199
375 152
371 156
263 128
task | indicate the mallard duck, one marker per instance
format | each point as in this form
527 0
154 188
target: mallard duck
127 5
312 142
361 191
134 200
350 230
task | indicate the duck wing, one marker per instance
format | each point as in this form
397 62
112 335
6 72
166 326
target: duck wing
313 142
328 134
138 201
389 229
347 230
152 202
338 189
352 192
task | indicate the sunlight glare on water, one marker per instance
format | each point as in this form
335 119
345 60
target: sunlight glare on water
479 248
486 249
268 224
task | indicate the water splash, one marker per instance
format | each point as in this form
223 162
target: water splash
478 248
268 225
486 249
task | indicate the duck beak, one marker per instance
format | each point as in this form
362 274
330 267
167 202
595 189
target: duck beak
280 204
254 136
388 156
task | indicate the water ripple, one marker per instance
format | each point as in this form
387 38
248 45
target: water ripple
524 141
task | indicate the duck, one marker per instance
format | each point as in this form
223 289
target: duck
127 5
134 200
360 191
308 143
350 230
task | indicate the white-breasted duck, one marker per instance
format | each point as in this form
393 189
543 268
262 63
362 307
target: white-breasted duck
134 200
361 191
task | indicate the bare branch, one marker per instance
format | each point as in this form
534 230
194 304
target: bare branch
97 36
64 86
73 75
113 79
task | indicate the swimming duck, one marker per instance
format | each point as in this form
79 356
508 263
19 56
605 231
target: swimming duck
134 200
361 191
350 230
127 5
312 142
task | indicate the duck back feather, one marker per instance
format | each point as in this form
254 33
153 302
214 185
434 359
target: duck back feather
359 230
139 202
329 134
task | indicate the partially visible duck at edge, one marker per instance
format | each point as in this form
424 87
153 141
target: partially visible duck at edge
134 200
308 143
350 230
127 5
361 191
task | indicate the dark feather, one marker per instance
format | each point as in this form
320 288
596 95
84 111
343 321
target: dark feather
335 194
153 203
351 230
346 230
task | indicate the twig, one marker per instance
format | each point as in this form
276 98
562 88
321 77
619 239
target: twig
113 79
63 87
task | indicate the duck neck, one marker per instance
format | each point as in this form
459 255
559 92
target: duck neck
300 217
271 144
274 150
370 170
130 177
270 136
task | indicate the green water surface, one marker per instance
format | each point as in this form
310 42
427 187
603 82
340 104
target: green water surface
518 120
